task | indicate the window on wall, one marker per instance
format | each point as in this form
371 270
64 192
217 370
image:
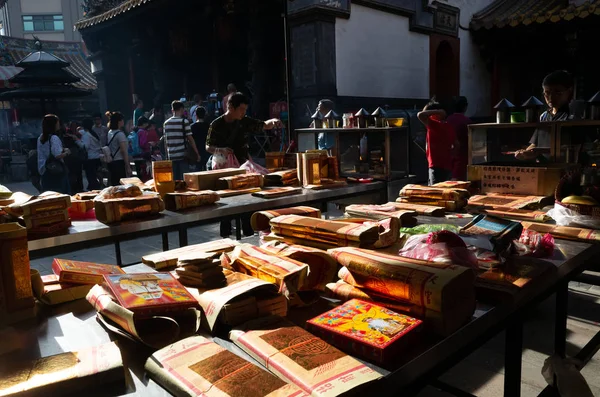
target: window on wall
43 23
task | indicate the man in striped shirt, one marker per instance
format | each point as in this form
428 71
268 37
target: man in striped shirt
178 135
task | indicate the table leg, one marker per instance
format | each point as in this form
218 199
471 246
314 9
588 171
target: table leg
560 321
165 241
183 237
512 358
238 228
118 253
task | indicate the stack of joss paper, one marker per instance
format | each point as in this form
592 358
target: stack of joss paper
47 213
442 295
236 182
407 217
242 298
166 259
201 270
452 199
324 233
191 199
288 274
282 178
198 367
511 206
300 358
260 221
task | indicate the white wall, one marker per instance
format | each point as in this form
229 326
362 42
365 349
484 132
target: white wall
41 7
377 56
475 80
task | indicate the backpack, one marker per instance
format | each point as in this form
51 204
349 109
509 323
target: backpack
134 144
107 155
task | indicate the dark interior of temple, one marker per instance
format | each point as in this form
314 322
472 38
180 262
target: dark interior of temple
162 51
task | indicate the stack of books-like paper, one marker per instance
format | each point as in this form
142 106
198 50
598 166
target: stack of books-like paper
47 213
200 270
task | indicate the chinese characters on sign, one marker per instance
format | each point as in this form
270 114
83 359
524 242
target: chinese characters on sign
446 21
515 180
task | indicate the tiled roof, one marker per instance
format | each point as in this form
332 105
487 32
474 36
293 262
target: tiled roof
14 49
118 10
503 13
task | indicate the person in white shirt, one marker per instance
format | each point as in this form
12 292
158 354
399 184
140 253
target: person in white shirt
50 149
91 142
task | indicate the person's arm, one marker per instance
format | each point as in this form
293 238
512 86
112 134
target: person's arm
425 115
57 148
211 144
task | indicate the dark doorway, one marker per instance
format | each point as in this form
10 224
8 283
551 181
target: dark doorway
444 67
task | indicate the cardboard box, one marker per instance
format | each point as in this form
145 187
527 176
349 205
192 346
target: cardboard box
515 179
207 180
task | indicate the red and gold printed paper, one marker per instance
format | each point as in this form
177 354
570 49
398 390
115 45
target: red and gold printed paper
46 219
237 192
453 185
26 205
365 329
509 201
298 357
240 181
77 272
16 293
345 292
407 217
150 293
526 215
70 372
448 205
260 220
444 292
322 268
282 178
238 284
566 232
429 210
288 274
183 200
198 367
434 193
50 291
166 259
340 234
154 331
126 208
278 192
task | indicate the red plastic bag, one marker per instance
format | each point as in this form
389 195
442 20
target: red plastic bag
534 244
418 247
252 168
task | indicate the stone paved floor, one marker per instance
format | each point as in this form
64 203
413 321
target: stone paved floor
481 373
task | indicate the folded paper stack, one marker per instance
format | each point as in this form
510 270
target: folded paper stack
282 178
288 274
322 268
155 330
77 272
122 209
508 201
429 210
50 291
261 220
453 185
366 330
207 180
298 357
166 259
70 373
443 294
183 200
566 232
278 192
237 192
243 298
200 270
244 181
198 367
452 199
388 228
343 291
43 214
407 217
339 234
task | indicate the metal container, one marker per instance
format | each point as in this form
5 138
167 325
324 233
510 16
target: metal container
503 110
532 109
330 119
380 118
362 118
317 118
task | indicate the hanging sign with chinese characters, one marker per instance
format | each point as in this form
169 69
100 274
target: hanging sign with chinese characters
513 180
446 20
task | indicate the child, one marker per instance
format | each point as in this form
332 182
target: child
440 142
558 92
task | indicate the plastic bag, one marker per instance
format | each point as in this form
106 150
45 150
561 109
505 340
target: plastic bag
221 161
252 168
567 217
418 247
534 244
424 229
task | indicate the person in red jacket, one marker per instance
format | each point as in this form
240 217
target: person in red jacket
460 123
440 141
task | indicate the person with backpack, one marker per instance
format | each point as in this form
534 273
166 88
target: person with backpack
117 148
91 142
50 151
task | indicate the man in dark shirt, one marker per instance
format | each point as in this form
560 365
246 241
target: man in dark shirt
460 123
228 134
